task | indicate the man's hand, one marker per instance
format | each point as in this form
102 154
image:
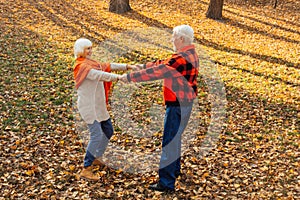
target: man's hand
123 78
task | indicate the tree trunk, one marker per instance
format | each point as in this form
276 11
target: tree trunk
215 8
119 6
275 4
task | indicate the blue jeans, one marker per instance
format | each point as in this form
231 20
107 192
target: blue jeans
100 133
176 119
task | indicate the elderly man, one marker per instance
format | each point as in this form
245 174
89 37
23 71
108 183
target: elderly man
179 73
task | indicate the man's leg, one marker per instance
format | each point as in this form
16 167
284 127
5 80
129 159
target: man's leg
185 116
170 147
176 119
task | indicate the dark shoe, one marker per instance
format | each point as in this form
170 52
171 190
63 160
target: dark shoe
160 188
177 174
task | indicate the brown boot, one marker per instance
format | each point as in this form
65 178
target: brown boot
87 173
99 162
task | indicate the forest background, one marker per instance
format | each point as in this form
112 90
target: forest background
255 49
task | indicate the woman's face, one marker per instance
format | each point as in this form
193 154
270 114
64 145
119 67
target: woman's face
88 51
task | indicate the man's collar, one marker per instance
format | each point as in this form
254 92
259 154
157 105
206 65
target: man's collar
185 48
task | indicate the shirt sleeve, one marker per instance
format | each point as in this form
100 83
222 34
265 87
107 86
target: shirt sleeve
154 63
117 67
101 75
155 71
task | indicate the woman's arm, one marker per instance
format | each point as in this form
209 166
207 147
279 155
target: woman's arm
102 76
123 67
118 67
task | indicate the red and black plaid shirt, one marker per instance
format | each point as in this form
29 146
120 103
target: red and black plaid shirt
179 73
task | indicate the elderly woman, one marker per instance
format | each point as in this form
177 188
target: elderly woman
92 84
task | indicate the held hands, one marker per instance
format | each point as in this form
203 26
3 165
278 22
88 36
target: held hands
123 78
135 67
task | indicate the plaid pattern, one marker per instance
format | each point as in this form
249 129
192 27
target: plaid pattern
179 72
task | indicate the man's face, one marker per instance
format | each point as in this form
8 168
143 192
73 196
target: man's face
177 42
88 51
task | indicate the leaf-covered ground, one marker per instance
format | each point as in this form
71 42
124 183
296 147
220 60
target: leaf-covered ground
255 50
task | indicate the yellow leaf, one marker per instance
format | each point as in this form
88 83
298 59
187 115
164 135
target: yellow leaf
24 165
72 167
225 164
119 171
29 172
205 175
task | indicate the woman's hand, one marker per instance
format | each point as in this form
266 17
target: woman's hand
123 78
133 67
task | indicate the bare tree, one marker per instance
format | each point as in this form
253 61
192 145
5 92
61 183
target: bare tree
275 4
215 8
119 6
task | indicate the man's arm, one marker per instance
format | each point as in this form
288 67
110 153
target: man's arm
155 70
148 65
153 73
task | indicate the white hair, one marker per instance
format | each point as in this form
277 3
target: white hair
186 32
80 45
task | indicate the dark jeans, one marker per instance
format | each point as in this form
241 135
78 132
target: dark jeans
176 119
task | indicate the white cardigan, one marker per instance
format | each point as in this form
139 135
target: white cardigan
91 95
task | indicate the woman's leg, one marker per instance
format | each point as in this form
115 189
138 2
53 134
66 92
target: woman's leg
97 144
